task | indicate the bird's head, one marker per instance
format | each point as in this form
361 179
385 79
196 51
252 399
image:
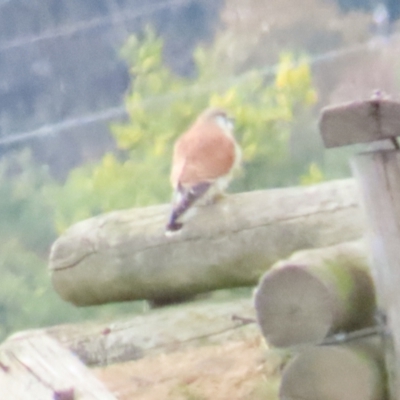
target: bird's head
218 116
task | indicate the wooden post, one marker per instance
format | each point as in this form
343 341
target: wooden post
378 174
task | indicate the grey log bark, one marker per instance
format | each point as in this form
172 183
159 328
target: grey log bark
35 366
348 372
157 331
315 293
124 255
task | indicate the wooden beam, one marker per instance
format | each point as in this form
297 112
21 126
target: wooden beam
360 122
125 255
37 367
315 293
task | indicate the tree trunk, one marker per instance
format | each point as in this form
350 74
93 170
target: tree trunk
125 255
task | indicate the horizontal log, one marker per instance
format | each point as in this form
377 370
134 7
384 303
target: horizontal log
35 366
315 293
346 372
158 331
125 255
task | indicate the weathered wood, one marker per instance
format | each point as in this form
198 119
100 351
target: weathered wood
360 122
349 372
125 255
378 174
157 331
37 367
315 293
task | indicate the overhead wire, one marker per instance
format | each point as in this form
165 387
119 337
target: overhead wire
196 89
116 17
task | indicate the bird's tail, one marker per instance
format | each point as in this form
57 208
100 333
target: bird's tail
187 197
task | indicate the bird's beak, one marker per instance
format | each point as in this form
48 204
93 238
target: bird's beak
231 120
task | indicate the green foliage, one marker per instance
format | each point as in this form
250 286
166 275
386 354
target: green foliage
27 299
314 175
24 295
161 105
26 230
24 210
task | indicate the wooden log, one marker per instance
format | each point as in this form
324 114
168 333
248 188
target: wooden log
314 293
158 331
37 367
346 372
125 255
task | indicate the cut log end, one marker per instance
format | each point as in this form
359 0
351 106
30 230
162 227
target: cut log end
293 307
335 373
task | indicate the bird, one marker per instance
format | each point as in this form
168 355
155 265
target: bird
204 160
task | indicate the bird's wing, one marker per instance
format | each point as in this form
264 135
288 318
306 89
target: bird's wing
201 156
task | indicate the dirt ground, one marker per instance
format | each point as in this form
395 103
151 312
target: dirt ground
235 370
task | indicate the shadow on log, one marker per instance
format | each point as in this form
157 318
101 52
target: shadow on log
124 255
349 372
315 293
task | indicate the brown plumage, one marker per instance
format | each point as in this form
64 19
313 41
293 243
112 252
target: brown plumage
203 160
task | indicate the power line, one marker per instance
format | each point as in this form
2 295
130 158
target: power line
197 89
111 19
48 130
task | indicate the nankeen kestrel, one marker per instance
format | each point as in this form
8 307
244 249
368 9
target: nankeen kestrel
204 159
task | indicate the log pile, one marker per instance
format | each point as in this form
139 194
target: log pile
314 295
331 298
304 246
304 243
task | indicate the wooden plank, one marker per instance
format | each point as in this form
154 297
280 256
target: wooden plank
125 255
360 122
37 367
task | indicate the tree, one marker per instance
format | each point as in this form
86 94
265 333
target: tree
161 105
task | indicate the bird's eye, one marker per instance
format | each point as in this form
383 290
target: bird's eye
225 122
